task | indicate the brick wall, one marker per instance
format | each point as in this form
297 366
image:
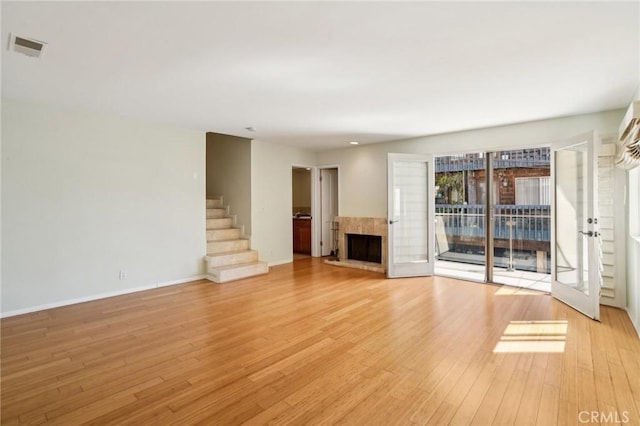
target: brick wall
506 193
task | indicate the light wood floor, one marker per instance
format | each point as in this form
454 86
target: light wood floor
313 343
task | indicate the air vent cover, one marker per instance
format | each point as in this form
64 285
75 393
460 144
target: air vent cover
27 46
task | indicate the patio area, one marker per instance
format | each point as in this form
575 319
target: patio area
474 272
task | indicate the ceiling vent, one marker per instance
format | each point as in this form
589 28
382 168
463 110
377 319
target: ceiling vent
26 46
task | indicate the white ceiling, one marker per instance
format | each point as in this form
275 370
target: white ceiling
320 74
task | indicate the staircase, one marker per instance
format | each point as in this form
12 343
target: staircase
228 254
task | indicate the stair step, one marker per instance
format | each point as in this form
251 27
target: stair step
231 258
235 272
214 247
228 254
216 212
220 223
214 202
223 234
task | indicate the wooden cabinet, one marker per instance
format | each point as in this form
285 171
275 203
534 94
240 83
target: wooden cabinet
302 236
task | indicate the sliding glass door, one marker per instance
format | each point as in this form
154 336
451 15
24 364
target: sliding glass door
510 190
525 217
460 221
522 218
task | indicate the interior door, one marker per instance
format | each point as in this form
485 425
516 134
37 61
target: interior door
329 208
410 215
575 272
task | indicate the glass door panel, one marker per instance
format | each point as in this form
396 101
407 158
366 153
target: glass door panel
572 261
522 218
460 194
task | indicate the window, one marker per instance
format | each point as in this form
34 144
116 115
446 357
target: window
482 193
533 191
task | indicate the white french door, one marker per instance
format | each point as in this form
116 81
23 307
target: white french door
575 258
410 184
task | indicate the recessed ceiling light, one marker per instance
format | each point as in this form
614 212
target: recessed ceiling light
354 142
250 129
308 168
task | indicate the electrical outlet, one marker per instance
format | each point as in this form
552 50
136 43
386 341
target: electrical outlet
122 275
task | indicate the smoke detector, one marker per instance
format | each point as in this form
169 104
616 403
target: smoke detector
27 46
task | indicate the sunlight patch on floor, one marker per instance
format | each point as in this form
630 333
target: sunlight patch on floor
533 336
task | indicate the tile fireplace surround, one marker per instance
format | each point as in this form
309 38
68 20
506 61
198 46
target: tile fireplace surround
362 226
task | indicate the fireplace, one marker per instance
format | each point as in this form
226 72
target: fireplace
367 248
366 228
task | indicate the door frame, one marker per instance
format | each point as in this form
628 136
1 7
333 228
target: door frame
316 206
314 173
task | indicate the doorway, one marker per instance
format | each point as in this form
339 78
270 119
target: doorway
301 211
536 209
510 190
328 211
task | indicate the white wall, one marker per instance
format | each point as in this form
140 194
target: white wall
229 175
86 195
363 179
271 195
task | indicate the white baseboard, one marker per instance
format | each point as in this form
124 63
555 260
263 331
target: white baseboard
635 325
607 301
280 262
181 281
97 297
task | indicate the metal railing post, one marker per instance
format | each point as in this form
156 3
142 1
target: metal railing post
488 210
510 268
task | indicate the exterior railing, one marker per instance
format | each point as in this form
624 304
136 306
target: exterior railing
533 157
516 222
